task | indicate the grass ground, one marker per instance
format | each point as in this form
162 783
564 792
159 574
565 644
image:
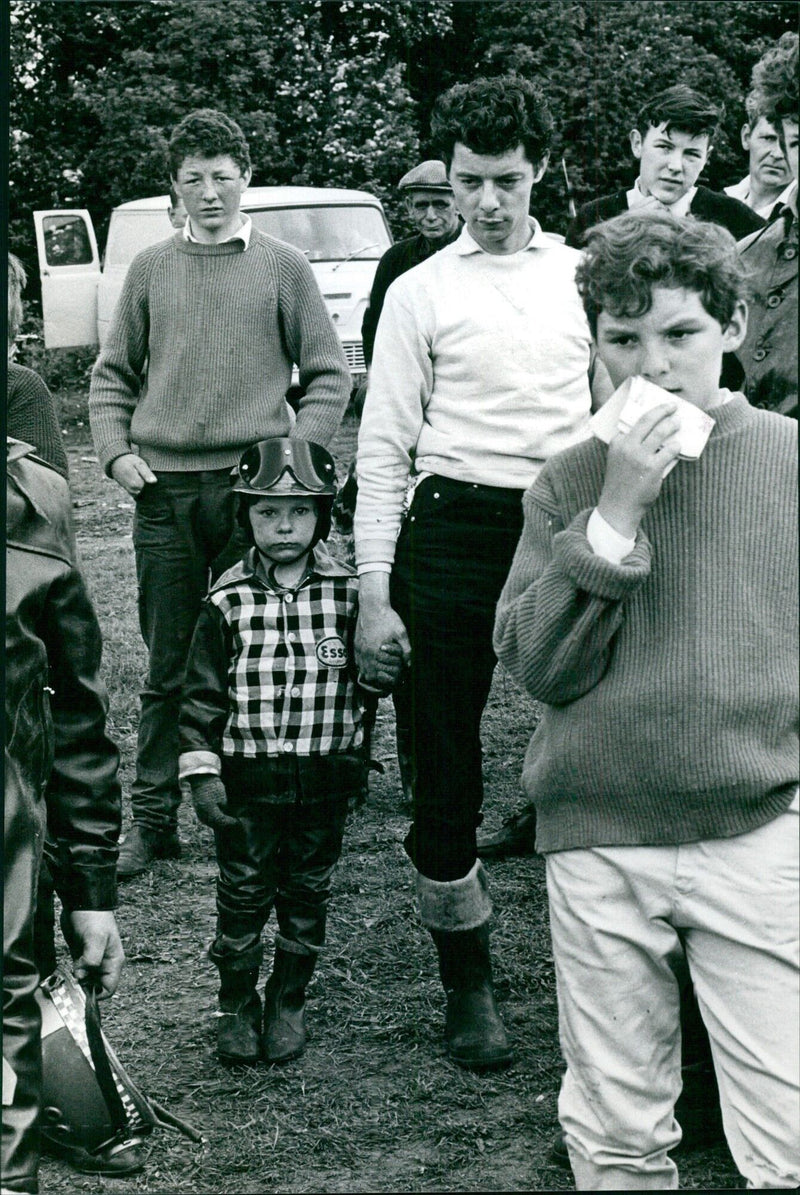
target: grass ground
374 1105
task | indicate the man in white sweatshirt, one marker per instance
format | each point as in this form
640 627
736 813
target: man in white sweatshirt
481 372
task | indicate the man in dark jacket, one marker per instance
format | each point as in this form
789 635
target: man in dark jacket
769 351
60 780
431 208
672 141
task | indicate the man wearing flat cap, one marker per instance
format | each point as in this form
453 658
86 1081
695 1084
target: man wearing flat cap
431 207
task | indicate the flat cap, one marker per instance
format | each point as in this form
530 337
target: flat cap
428 176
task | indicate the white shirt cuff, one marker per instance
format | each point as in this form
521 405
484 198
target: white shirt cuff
605 541
196 763
374 566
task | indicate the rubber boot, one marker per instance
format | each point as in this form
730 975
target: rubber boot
142 846
238 1037
475 1035
284 1005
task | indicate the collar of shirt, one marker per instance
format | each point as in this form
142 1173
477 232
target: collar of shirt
242 234
466 244
767 211
679 208
322 563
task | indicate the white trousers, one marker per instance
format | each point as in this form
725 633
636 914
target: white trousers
621 918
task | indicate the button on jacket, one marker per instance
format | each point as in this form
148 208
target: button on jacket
769 352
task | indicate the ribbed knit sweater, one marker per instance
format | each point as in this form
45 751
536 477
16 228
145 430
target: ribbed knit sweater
31 416
670 679
199 355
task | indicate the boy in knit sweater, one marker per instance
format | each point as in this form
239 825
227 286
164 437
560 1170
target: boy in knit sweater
652 607
196 367
271 740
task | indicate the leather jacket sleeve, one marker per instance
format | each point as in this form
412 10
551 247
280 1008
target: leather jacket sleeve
83 793
204 701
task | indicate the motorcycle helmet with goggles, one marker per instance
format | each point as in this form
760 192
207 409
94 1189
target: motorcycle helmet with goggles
286 467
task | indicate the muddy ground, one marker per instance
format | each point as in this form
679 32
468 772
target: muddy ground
374 1104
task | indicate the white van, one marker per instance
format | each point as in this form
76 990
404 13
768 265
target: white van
343 234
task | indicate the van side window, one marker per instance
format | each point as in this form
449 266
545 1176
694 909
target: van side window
66 241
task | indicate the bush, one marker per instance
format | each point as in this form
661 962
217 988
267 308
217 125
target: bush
61 369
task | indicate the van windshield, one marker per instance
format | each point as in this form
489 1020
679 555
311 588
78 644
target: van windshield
327 233
134 230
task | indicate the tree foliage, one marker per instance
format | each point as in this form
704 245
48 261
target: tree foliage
338 92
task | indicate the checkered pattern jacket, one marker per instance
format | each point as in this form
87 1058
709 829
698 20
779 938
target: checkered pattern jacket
271 672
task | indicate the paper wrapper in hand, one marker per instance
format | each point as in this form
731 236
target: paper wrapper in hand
636 396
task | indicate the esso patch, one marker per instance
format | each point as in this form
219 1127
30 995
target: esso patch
332 652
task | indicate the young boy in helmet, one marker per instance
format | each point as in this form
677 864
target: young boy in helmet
271 739
652 605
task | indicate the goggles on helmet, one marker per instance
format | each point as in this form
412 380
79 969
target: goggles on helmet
286 466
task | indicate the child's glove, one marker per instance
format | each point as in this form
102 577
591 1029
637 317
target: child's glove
210 802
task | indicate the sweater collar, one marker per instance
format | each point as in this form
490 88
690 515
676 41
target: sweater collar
731 414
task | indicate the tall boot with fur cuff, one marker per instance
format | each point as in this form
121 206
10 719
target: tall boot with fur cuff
284 1005
457 914
239 1024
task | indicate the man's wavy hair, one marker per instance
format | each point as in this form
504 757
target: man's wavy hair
493 117
774 81
207 133
625 258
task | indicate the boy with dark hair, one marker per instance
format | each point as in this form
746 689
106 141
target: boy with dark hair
195 367
271 738
483 369
672 140
652 607
769 351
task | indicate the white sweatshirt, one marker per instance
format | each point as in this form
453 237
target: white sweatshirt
480 373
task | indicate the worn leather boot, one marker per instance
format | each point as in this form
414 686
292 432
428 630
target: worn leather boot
238 1028
516 836
475 1035
284 1005
142 846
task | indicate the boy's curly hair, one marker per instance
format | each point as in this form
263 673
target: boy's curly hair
207 133
625 258
493 116
774 81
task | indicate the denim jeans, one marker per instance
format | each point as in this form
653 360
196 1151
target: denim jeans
183 537
453 555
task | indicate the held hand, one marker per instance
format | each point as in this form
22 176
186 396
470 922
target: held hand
210 802
381 644
635 468
101 957
132 473
387 670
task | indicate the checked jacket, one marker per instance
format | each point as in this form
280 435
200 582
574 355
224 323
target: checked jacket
271 671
